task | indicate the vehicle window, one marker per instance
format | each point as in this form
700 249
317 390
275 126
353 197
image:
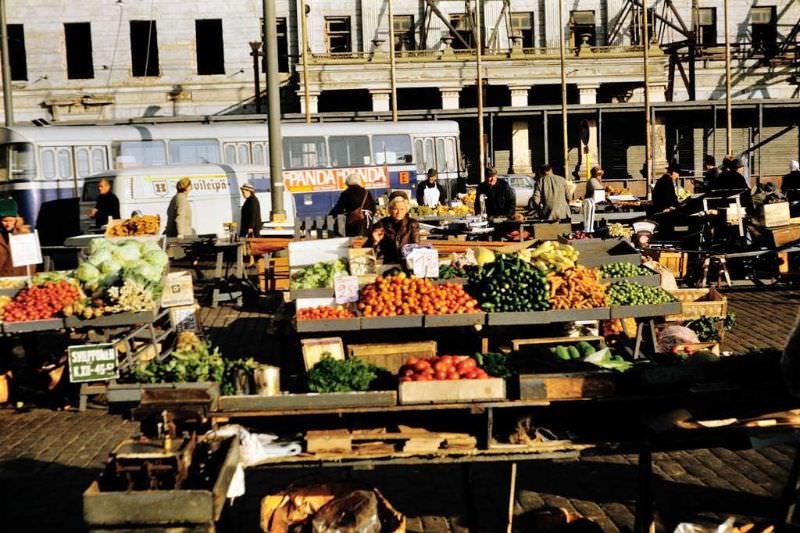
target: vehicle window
419 155
82 162
99 159
258 154
304 152
430 161
194 151
22 161
48 163
230 154
451 155
391 149
441 160
144 153
64 163
244 154
349 150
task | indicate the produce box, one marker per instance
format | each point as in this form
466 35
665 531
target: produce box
675 262
568 385
12 285
645 311
178 289
392 356
454 320
575 315
696 303
314 349
132 392
774 215
783 235
115 319
311 401
339 324
549 231
598 252
518 318
391 322
455 391
300 294
33 325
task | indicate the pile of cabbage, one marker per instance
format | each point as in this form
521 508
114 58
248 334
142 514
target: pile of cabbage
113 263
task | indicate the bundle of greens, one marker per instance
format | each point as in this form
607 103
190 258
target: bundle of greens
318 275
331 375
193 360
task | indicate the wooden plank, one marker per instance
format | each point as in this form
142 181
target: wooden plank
567 385
473 390
392 356
455 320
642 311
146 507
220 490
329 441
311 401
516 344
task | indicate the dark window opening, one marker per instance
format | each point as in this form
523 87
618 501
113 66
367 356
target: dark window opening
637 27
764 29
522 26
283 44
707 26
144 48
337 34
582 28
404 37
463 26
210 48
78 41
16 52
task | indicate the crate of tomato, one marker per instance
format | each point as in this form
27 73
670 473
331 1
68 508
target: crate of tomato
447 379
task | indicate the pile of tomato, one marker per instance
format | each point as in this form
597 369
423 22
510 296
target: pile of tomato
446 367
401 295
324 312
41 302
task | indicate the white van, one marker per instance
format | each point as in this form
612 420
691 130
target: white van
215 195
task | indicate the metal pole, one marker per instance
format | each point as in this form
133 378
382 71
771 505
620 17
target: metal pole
648 151
478 52
392 62
760 135
273 112
304 57
564 137
8 105
545 138
729 123
255 51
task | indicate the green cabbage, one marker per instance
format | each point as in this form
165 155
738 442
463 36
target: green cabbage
146 271
87 273
157 258
95 245
110 267
100 257
127 253
150 246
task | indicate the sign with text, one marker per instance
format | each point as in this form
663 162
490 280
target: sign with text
184 318
345 288
25 249
424 262
92 362
333 179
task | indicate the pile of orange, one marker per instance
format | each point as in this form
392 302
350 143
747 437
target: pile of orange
401 295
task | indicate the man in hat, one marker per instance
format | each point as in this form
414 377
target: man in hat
250 221
106 206
665 194
357 205
429 192
711 172
500 198
12 224
732 179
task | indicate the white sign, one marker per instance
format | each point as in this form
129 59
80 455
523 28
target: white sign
599 196
345 288
184 318
424 262
25 249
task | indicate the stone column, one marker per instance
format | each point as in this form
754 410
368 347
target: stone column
588 152
519 96
587 93
659 146
313 101
551 22
520 148
450 98
380 100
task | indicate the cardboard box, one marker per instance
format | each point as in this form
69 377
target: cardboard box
774 215
314 349
456 391
178 289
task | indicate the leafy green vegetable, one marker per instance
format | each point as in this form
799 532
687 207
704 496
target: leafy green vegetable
707 327
331 375
185 365
495 364
232 368
318 275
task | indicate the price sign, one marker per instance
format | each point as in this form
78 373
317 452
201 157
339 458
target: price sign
25 249
92 362
184 318
345 288
424 263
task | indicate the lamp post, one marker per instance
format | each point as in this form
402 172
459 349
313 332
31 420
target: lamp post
392 67
8 105
304 58
648 142
479 86
277 214
563 53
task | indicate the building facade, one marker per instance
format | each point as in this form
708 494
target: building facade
112 60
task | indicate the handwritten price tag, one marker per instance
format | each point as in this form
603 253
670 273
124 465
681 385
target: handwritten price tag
345 289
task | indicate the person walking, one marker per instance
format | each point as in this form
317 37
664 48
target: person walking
429 192
10 224
551 196
250 220
179 212
358 206
500 198
595 182
106 206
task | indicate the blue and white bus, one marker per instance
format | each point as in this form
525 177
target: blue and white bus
43 164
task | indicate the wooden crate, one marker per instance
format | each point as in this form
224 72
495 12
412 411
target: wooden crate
568 385
783 235
392 356
696 303
313 350
675 262
774 215
456 391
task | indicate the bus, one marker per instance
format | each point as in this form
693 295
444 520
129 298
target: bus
43 165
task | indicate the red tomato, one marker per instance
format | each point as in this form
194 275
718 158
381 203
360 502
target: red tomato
453 375
482 374
440 376
465 365
412 361
420 366
441 365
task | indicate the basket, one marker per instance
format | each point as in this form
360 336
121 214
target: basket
697 303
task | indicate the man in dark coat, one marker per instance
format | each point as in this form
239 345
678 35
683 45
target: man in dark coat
429 192
711 172
250 225
353 203
791 181
500 198
106 206
732 179
664 192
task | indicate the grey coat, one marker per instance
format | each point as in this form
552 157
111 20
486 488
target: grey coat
551 198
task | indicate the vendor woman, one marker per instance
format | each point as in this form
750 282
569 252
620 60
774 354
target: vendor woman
391 233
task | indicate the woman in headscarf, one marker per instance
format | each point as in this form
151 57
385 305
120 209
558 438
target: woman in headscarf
357 205
250 222
179 212
391 233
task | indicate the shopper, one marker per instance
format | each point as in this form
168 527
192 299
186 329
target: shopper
106 206
357 205
711 172
595 182
791 181
429 192
551 196
250 221
665 194
391 233
732 180
500 198
179 212
11 224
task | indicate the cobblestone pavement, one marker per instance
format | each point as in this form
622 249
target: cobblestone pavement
48 458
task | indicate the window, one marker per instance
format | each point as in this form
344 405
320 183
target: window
259 149
78 41
337 34
441 159
21 161
430 162
349 151
144 48
283 45
210 48
91 189
522 25
451 155
143 153
64 163
583 28
404 37
419 156
48 156
16 52
243 154
764 30
82 162
230 154
194 151
304 152
99 159
391 149
706 26
463 27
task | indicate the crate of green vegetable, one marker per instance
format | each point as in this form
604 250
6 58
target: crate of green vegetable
623 271
317 276
342 375
635 300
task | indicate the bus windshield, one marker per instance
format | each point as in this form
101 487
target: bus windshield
17 162
143 153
